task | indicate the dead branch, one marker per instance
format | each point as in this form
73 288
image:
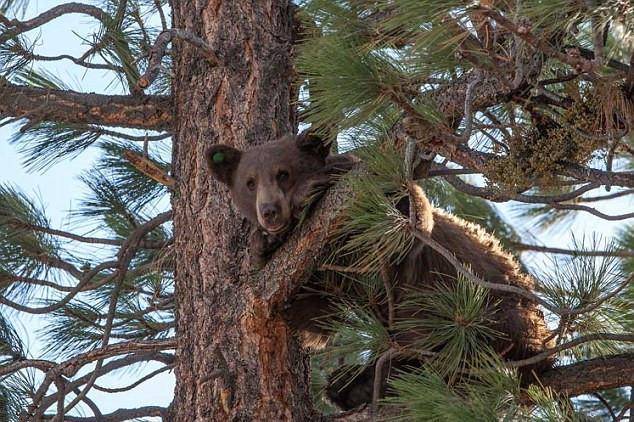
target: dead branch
111 366
149 168
18 27
110 23
158 51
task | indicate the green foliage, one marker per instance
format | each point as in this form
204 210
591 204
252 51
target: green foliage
130 182
79 326
346 84
360 337
11 347
453 319
549 407
41 78
71 330
353 76
320 367
580 281
117 52
426 396
10 62
570 22
23 250
625 241
46 143
373 232
13 6
105 200
16 391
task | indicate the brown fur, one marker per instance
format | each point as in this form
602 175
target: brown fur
520 321
257 186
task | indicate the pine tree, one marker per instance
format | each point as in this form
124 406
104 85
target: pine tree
477 102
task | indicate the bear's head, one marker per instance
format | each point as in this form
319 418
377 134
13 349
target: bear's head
265 180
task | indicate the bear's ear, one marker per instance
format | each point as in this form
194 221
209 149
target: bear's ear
314 143
222 161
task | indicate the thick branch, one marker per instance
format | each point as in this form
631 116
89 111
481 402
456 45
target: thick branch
119 415
591 375
143 112
293 262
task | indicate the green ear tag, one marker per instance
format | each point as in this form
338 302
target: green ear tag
218 157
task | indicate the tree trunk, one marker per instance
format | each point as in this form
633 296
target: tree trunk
237 359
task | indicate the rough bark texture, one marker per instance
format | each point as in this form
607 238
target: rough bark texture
591 375
297 257
237 359
143 112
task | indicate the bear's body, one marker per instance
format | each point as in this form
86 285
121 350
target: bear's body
306 165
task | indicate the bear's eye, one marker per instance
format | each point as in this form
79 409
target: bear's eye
282 176
251 184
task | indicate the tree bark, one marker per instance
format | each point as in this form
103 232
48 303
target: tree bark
236 357
591 375
143 112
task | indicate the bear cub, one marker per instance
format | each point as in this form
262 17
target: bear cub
271 184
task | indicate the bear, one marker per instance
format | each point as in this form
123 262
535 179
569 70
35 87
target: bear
270 185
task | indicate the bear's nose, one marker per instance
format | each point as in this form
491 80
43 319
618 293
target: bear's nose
269 212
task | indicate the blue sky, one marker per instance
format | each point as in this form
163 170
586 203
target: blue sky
60 189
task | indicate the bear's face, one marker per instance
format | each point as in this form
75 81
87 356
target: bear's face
264 180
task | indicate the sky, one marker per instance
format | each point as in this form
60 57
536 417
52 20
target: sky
59 189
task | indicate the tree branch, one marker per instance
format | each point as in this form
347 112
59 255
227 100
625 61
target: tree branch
111 366
39 104
578 63
158 51
537 248
292 263
591 375
124 256
569 345
19 27
119 415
